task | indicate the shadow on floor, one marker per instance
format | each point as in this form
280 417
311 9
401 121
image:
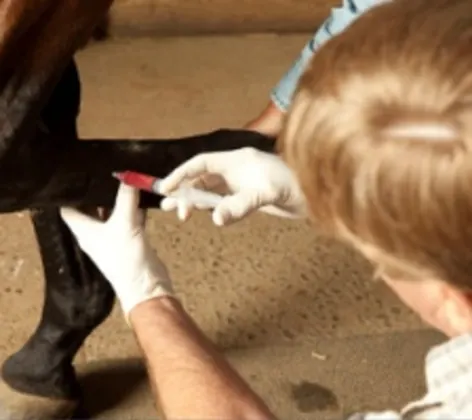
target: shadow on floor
109 383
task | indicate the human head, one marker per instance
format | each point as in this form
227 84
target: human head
379 136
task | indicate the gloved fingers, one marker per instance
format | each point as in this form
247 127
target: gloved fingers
235 207
126 206
184 210
231 209
168 204
81 225
183 206
194 167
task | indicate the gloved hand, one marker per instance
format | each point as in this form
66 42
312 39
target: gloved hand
256 180
121 251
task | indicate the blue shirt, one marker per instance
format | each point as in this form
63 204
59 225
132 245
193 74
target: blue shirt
339 20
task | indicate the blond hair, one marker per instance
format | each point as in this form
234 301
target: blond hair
380 137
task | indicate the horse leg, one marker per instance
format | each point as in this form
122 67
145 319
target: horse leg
84 174
39 379
42 380
77 297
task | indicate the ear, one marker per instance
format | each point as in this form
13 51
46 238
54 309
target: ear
457 309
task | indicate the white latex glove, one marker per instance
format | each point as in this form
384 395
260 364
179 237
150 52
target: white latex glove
121 251
256 180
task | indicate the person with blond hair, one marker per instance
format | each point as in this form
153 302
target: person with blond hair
377 151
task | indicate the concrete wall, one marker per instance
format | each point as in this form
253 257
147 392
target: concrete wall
172 17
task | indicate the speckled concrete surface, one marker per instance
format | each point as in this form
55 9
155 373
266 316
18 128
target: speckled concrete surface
297 314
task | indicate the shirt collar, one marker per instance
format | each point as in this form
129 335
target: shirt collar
448 362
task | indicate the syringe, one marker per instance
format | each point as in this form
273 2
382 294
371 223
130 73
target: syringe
151 184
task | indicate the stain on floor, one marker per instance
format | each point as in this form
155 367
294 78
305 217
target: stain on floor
310 397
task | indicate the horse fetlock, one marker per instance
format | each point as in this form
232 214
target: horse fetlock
42 371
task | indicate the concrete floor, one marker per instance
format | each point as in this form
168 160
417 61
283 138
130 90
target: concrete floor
298 315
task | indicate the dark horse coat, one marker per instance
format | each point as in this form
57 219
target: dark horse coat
43 166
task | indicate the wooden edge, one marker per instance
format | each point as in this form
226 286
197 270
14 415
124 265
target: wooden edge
151 18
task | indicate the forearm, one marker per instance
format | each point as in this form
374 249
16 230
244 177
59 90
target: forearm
339 19
190 378
268 122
